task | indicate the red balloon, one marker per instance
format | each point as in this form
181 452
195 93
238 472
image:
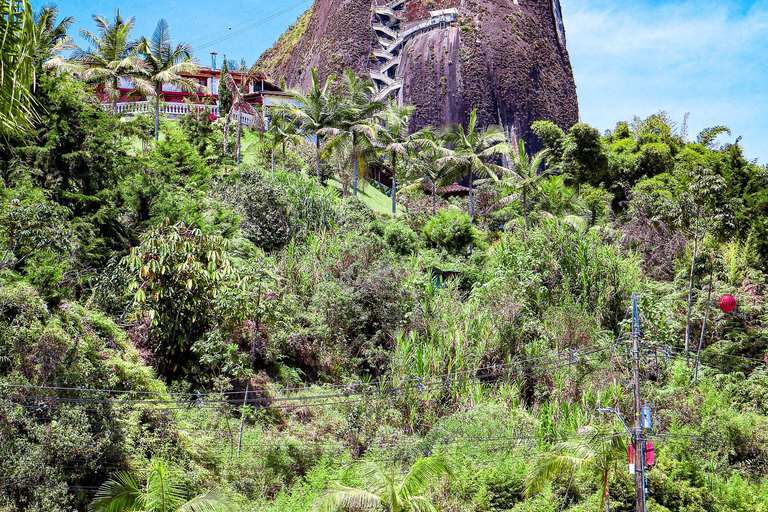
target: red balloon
728 303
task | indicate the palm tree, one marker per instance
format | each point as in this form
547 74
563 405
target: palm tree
283 130
162 493
432 164
51 40
239 105
165 64
387 489
523 177
594 450
393 138
472 147
355 117
17 39
316 111
112 57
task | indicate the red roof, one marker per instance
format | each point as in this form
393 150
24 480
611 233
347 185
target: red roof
453 189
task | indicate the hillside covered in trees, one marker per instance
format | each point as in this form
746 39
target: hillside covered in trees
181 332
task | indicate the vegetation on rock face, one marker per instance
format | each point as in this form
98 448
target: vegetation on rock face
262 339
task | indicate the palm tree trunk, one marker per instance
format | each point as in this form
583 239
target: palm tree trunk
283 156
394 184
525 209
471 200
317 151
434 198
157 113
273 160
354 163
239 133
690 289
605 493
704 326
114 96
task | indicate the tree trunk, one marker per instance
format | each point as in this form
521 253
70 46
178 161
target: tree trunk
525 210
703 327
471 200
157 113
317 151
605 493
434 198
115 95
239 134
690 289
394 184
283 156
354 158
273 160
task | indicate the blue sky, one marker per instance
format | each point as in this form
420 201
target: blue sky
629 58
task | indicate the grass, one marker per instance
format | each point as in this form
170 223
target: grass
376 200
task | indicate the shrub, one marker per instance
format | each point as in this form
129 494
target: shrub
184 282
451 231
400 238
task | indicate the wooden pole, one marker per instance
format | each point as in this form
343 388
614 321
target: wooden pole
638 437
242 418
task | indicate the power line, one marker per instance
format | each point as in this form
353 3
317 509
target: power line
420 386
253 25
379 384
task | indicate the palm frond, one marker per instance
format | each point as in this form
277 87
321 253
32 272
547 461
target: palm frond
163 491
420 504
421 473
349 499
211 501
117 495
549 466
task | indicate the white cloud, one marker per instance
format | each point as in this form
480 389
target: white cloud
709 58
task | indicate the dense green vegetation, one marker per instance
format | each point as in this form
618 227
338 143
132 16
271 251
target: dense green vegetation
261 339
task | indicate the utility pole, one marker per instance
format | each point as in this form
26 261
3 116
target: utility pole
637 437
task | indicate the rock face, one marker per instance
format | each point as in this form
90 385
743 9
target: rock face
506 58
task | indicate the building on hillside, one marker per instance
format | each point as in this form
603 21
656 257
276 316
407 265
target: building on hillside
260 92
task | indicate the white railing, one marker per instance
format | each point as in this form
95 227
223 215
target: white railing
391 62
382 54
394 86
249 120
166 108
385 30
427 25
381 77
175 110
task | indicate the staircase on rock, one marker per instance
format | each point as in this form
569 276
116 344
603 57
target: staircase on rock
392 33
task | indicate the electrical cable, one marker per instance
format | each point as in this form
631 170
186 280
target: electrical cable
420 386
252 26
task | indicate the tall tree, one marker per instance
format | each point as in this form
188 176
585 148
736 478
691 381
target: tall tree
51 40
524 177
394 140
386 489
431 162
225 96
17 67
283 130
163 492
112 57
240 106
697 216
355 117
472 147
165 65
316 110
593 450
